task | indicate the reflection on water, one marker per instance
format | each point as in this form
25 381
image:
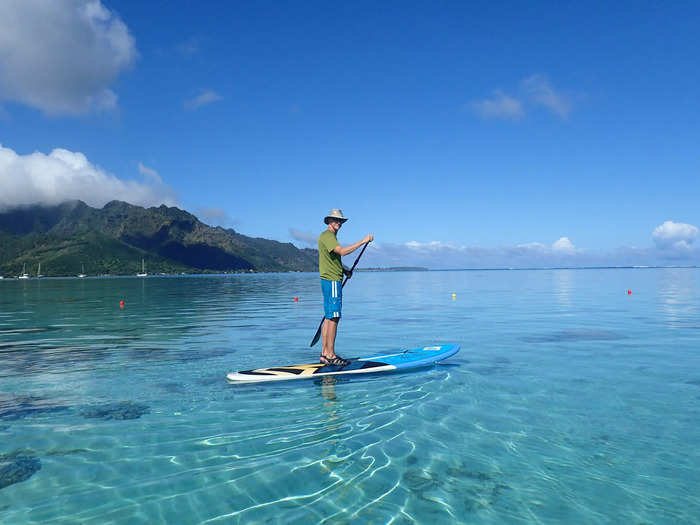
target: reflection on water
163 319
677 291
328 388
564 286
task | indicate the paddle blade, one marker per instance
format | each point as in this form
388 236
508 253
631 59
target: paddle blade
318 334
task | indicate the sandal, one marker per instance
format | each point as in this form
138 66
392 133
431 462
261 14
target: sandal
334 361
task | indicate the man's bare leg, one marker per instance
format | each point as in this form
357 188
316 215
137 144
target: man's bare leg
328 334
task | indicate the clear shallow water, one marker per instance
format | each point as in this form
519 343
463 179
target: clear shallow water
570 400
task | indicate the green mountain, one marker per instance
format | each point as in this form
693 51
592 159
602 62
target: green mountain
113 240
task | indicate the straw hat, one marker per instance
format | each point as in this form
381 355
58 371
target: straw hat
335 213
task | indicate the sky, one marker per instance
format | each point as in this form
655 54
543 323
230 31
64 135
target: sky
460 134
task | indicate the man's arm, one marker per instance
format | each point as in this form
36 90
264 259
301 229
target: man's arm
346 250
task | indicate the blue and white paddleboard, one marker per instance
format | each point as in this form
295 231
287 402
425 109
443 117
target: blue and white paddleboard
385 362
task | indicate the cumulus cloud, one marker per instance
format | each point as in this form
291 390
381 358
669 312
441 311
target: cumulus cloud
499 106
674 235
528 247
66 175
429 246
205 98
560 253
564 246
442 255
61 56
539 91
561 247
431 254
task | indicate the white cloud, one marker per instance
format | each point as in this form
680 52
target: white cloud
500 106
61 56
428 246
535 90
560 253
304 237
539 91
66 175
441 255
205 98
150 174
674 235
563 246
214 216
531 247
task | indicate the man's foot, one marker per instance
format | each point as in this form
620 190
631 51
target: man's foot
334 361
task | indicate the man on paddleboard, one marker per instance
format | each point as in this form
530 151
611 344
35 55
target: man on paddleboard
331 268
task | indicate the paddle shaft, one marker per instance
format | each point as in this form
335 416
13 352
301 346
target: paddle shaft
320 326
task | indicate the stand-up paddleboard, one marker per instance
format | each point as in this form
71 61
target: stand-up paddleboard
385 362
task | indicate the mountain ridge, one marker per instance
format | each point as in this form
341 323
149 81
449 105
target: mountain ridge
113 240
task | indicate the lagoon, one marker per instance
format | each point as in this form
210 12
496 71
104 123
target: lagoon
571 400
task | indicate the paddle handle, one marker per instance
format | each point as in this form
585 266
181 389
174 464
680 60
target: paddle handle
320 326
355 263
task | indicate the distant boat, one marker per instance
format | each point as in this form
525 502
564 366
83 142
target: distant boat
82 271
143 270
24 275
38 272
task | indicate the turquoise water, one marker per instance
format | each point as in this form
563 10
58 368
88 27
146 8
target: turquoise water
570 401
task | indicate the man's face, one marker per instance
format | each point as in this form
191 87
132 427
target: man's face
335 225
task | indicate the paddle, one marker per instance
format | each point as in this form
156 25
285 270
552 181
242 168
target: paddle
318 332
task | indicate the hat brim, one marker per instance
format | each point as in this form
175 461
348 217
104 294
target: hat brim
329 218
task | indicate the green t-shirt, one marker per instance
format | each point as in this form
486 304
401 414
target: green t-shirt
329 263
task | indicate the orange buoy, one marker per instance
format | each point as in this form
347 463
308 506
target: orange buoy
296 299
121 304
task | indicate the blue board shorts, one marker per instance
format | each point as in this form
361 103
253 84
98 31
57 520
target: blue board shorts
332 298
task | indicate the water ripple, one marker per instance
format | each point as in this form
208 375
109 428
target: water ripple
504 432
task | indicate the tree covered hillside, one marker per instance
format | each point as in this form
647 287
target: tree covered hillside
114 240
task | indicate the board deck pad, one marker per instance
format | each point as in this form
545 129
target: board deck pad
384 362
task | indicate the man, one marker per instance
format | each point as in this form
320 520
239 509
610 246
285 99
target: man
329 253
